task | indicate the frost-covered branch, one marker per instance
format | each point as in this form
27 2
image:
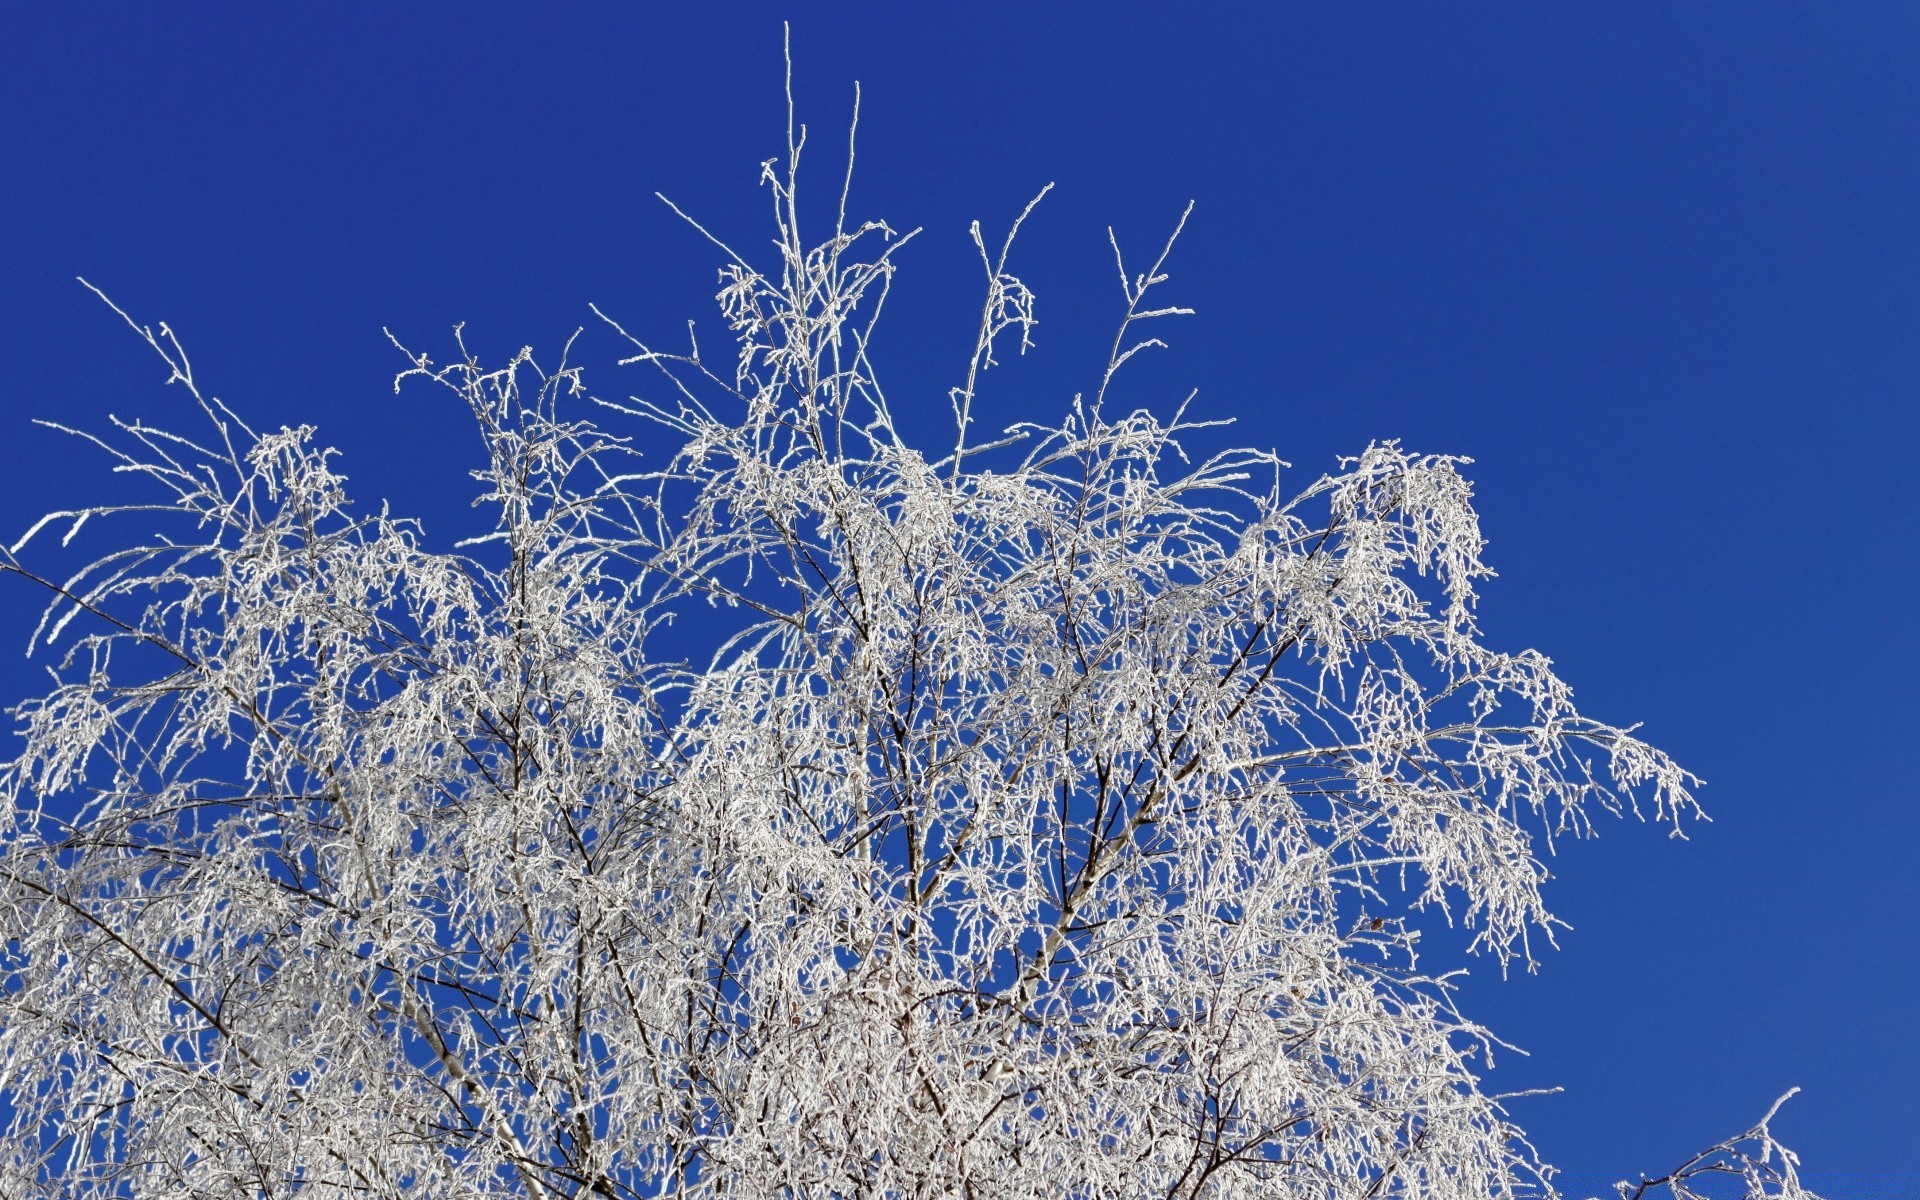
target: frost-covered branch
1053 815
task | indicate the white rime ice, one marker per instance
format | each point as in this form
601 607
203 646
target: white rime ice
1046 816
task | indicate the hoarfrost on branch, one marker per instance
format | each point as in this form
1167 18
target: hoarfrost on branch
1047 820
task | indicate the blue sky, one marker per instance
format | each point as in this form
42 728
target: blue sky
1654 267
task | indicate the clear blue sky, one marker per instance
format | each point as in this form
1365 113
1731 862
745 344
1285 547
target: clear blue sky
1654 266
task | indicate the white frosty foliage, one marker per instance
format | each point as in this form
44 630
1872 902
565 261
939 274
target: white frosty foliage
1044 826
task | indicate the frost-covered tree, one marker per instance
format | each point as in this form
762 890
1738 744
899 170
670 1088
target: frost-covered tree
1049 816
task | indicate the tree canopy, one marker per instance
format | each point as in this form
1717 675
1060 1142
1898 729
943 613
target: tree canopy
767 805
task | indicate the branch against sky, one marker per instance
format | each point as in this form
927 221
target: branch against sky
1051 816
